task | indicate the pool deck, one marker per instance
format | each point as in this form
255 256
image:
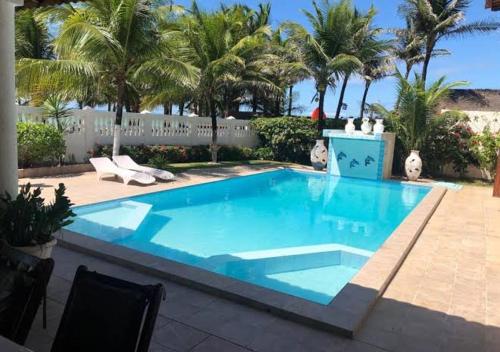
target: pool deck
445 297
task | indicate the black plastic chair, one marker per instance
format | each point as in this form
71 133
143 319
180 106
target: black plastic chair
23 284
107 314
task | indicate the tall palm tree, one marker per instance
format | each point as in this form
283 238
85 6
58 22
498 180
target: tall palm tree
101 43
375 69
32 36
324 50
439 19
228 56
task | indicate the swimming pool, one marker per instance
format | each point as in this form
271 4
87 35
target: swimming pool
300 233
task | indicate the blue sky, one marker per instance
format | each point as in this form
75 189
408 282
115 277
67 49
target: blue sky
475 59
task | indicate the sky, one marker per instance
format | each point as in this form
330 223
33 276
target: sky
475 59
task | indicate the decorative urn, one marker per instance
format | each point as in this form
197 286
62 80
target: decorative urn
350 127
319 154
366 126
379 126
413 165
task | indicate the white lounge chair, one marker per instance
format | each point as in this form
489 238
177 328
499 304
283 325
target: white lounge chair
126 162
104 166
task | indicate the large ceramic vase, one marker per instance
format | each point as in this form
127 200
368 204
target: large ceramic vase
379 126
413 165
42 251
319 154
349 126
366 126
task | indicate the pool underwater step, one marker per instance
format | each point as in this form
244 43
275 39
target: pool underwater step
344 315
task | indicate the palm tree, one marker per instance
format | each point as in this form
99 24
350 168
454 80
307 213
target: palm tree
101 44
32 36
367 46
418 106
374 70
324 50
439 19
228 55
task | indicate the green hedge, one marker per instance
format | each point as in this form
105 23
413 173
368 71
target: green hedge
39 144
156 154
285 138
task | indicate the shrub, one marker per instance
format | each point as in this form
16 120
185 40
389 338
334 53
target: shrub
447 142
39 144
289 138
165 154
264 153
485 147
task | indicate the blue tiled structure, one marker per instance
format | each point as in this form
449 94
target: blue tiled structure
357 155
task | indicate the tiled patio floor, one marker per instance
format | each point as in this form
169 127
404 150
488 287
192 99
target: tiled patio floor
446 296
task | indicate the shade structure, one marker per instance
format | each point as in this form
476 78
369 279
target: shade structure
315 115
493 5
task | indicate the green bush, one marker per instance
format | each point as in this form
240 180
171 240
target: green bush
39 144
264 153
485 147
447 142
166 154
289 138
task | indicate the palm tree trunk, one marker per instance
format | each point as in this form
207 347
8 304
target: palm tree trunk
428 53
341 98
363 101
321 105
214 148
181 108
290 99
254 102
118 119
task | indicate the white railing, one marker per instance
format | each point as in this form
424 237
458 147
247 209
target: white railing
87 128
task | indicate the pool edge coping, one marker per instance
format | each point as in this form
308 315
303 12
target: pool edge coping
344 315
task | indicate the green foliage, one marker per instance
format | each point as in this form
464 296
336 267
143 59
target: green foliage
55 107
39 144
158 155
447 142
264 153
417 107
485 147
27 221
289 138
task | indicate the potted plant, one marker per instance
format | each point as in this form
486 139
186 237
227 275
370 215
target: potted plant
27 224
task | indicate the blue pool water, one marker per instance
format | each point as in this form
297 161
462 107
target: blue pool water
304 234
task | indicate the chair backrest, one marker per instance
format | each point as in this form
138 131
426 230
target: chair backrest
104 313
103 164
23 284
125 162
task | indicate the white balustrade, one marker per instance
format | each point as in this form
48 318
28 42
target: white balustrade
87 128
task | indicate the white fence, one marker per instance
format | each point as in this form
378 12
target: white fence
86 128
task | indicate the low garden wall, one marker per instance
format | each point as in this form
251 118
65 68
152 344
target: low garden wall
87 128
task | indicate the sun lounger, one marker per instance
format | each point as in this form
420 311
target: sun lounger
126 162
105 166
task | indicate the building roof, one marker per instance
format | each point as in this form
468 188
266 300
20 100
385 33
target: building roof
38 3
493 4
472 100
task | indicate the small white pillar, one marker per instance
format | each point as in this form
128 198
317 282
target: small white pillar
8 117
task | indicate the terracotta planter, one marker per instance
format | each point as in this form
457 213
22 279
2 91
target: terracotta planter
42 251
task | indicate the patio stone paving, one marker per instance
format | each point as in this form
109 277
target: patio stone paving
445 297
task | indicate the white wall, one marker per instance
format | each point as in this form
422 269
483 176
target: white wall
479 120
86 128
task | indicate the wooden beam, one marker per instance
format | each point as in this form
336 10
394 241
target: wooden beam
493 5
496 185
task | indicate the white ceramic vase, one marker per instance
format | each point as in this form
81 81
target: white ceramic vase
350 127
319 154
413 165
42 251
366 126
379 126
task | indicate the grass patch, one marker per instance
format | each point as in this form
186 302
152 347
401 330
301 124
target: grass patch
182 167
